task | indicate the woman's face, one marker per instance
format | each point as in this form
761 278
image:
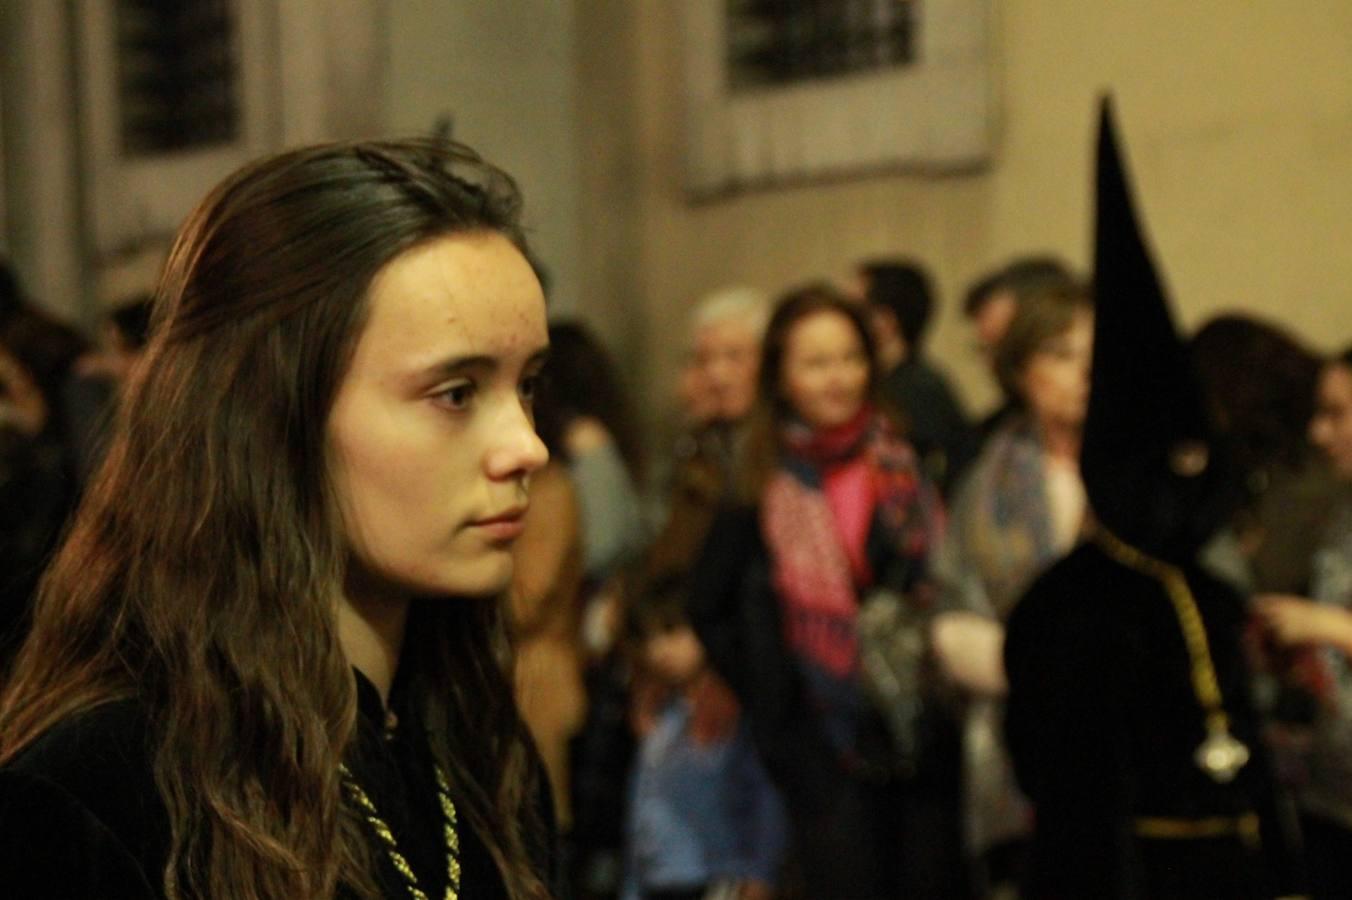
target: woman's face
431 435
825 371
1331 427
1055 378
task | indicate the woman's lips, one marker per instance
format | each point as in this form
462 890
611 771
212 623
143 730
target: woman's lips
504 527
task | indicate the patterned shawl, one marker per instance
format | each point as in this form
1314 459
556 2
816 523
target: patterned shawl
843 501
1001 535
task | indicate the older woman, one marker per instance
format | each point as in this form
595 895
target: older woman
1021 506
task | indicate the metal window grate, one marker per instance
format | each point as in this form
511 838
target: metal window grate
780 42
178 75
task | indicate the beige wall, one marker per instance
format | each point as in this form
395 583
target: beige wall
505 72
1238 118
42 225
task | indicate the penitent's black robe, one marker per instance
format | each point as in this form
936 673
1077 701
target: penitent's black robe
1102 723
80 816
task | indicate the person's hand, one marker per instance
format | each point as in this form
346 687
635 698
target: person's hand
754 890
970 651
1294 621
585 434
602 619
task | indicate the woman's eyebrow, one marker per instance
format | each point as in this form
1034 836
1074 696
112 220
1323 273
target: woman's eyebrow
455 365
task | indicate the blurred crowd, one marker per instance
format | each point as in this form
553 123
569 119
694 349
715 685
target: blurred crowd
57 393
790 680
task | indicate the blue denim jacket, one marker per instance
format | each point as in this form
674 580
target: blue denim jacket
699 813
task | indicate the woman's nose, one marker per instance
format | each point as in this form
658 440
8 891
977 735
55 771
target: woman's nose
516 449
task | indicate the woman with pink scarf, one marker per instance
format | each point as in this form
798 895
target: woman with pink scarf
834 509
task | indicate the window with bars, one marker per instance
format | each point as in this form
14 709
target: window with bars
178 76
773 43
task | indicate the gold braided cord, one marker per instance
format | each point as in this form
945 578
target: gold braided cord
1245 825
382 830
1220 755
1203 671
452 835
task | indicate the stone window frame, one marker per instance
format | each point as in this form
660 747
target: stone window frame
935 115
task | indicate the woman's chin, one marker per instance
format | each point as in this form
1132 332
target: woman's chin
485 577
836 417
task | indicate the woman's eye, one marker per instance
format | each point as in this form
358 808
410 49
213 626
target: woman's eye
457 396
530 389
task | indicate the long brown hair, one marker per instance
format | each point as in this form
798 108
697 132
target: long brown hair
201 572
773 409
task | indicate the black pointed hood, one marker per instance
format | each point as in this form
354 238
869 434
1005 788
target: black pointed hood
1154 468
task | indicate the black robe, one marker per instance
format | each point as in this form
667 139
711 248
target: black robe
1102 724
80 816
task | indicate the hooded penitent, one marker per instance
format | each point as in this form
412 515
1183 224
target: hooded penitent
1127 717
1155 471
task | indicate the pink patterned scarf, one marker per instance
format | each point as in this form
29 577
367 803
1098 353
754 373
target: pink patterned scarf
843 500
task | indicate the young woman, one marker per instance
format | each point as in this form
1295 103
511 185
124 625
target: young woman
835 508
266 661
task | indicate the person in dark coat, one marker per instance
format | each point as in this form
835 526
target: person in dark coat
1262 379
900 302
37 483
1128 719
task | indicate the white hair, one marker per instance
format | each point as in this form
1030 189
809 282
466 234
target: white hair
745 304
